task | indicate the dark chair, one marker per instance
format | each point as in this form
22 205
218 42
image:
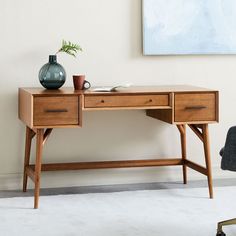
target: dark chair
228 162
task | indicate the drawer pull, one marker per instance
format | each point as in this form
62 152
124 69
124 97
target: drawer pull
150 100
56 110
195 107
102 101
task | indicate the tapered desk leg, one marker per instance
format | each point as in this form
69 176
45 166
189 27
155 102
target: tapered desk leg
183 149
182 130
39 149
28 139
206 145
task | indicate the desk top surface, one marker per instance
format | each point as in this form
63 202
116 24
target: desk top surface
130 90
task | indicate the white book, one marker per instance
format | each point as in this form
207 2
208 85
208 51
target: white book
109 88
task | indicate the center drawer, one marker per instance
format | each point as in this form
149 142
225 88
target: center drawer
57 110
106 101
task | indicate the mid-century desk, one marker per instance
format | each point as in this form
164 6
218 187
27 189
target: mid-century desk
42 110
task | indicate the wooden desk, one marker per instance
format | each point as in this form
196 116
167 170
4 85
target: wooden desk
42 110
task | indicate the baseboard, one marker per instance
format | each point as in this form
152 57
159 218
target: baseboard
109 177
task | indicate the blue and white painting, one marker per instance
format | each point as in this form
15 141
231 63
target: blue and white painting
189 27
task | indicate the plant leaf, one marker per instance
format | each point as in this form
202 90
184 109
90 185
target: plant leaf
70 48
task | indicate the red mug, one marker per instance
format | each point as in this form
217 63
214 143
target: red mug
80 83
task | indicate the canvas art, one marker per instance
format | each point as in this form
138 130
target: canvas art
189 27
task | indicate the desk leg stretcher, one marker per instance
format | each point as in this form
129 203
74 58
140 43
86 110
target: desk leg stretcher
34 170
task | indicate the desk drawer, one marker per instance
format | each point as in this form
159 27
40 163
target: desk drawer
58 110
195 107
106 101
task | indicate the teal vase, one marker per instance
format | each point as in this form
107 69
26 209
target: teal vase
52 75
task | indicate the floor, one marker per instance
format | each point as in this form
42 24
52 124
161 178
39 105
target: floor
118 188
151 209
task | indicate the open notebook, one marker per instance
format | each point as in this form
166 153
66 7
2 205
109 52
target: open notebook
109 88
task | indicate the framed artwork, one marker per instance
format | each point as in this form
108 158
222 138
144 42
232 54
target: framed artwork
173 27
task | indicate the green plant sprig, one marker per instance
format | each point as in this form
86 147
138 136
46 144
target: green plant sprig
69 48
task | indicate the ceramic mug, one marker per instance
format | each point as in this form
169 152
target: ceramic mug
80 83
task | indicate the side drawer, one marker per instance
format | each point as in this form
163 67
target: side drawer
195 107
58 110
106 101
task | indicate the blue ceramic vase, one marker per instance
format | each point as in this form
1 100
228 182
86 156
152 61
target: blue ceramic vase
52 75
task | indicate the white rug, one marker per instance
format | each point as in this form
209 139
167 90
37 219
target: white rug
175 212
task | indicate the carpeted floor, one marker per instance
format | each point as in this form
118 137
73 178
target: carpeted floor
165 212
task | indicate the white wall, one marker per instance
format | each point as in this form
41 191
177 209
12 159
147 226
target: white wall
110 33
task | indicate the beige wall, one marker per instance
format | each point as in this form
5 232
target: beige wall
110 33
